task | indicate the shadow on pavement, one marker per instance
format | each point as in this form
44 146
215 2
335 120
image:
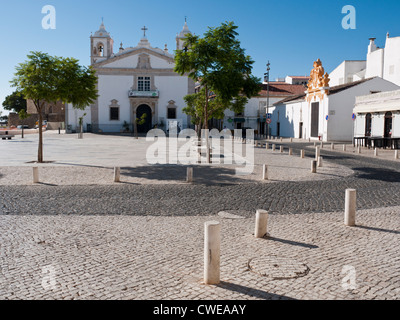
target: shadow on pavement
201 174
378 229
380 174
292 243
256 293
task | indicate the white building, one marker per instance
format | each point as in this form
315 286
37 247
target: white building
323 112
378 119
254 115
132 82
380 62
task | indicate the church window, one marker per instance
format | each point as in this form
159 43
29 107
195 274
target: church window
144 84
114 113
114 110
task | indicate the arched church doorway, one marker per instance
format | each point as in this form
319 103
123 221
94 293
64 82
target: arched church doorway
147 125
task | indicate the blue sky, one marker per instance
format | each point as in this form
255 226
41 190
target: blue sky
290 34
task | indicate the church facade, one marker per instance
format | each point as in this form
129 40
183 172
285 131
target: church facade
134 83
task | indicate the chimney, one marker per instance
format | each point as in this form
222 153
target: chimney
372 45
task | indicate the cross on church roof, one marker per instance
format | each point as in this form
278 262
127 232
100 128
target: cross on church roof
144 31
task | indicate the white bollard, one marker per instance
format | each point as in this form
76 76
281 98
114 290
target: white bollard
290 151
359 149
35 175
265 172
189 175
281 149
302 152
375 152
319 164
261 223
332 146
344 147
291 139
322 145
396 154
117 174
273 147
313 166
350 208
267 145
317 153
212 252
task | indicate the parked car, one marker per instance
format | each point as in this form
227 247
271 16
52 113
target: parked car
25 127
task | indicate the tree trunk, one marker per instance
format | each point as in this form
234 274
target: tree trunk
208 156
40 151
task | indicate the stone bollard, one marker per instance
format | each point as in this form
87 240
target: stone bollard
313 166
319 163
281 149
350 208
189 175
317 153
302 153
290 151
273 147
322 145
261 223
281 139
396 154
332 146
267 145
344 147
359 149
265 172
212 252
117 174
375 152
291 139
35 175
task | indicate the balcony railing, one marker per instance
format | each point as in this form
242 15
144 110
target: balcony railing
146 94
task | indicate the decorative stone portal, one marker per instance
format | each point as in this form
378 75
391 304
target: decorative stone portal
278 268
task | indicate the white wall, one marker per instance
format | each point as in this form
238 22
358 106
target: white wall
73 115
346 71
392 60
114 87
375 62
340 126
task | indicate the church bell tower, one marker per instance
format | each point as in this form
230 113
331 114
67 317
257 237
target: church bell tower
181 36
101 45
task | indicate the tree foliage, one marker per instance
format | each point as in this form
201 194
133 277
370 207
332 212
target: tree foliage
46 79
221 66
15 102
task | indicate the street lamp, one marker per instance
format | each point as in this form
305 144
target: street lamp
266 78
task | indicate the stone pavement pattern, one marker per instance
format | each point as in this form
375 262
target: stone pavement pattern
143 238
122 257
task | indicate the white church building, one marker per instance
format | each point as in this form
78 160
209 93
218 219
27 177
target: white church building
133 82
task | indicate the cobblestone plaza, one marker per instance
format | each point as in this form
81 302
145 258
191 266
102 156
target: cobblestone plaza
79 235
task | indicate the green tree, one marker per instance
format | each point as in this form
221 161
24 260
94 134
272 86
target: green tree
15 102
46 79
221 67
